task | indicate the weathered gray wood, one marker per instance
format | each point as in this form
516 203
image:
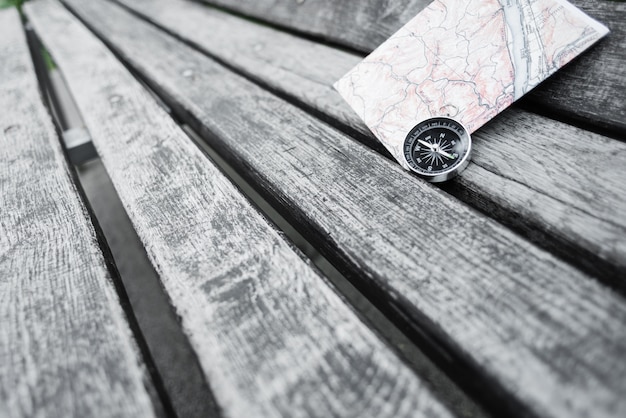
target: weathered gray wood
66 349
361 25
521 157
552 338
270 334
593 88
291 65
590 89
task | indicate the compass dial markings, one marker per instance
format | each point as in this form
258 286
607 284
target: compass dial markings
437 147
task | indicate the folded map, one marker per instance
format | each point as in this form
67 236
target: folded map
467 60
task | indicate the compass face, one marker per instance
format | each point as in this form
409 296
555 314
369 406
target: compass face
437 148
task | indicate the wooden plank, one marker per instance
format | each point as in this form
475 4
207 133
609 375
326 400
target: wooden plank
271 335
592 89
358 25
529 325
589 90
66 348
571 220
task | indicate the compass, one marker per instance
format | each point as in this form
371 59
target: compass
437 149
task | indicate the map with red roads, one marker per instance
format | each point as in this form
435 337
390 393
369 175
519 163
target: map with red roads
467 60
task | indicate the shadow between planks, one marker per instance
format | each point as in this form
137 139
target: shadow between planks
171 362
152 381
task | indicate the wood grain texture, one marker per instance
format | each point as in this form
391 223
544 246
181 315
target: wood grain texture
519 158
361 25
590 89
66 349
593 88
271 335
549 336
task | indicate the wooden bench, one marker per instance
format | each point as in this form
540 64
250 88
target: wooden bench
511 277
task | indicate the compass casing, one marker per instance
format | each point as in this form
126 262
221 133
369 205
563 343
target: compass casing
437 149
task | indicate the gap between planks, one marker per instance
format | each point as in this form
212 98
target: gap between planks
173 364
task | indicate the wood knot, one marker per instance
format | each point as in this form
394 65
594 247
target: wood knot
11 128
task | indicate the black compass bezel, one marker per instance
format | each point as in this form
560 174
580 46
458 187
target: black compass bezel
437 123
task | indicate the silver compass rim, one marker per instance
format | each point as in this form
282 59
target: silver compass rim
454 171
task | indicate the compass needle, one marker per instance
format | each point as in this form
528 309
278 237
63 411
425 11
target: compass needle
426 144
445 154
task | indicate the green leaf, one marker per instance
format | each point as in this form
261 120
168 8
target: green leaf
10 3
47 59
